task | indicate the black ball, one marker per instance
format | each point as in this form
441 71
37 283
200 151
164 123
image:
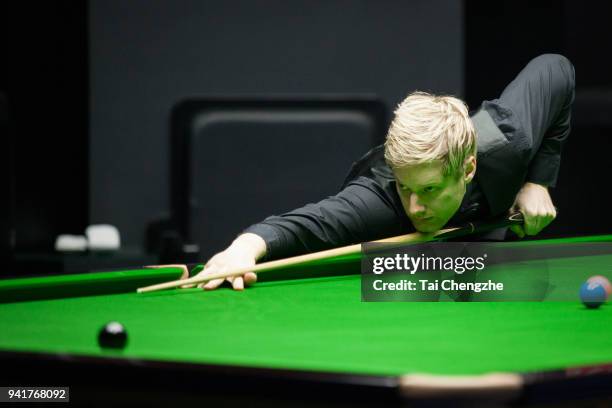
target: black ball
112 335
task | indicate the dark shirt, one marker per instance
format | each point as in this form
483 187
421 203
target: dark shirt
520 136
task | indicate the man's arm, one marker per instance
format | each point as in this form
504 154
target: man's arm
362 211
551 126
547 87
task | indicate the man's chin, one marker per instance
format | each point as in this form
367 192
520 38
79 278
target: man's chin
426 227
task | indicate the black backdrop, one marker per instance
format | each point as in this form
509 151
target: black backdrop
501 37
88 86
44 85
148 55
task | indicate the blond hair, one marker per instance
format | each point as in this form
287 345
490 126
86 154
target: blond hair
428 127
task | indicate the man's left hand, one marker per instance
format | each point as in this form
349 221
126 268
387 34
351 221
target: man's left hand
534 202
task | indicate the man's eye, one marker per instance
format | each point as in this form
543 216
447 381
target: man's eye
403 188
429 189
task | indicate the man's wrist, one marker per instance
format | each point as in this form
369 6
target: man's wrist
251 243
535 183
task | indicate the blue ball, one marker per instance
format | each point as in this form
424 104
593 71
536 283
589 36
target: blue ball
592 294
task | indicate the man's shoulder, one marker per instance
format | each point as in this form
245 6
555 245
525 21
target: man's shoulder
371 165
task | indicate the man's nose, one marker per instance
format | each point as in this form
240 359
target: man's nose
416 208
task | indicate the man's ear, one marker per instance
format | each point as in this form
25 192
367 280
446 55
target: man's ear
470 168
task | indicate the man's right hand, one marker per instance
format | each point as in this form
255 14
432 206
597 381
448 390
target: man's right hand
243 252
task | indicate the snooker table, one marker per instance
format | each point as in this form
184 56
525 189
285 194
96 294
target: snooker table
303 336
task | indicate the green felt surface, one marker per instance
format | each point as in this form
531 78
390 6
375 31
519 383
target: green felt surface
86 284
321 324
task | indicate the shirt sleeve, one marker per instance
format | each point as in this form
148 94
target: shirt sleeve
544 166
362 211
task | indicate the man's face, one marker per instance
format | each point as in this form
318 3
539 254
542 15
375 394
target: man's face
429 197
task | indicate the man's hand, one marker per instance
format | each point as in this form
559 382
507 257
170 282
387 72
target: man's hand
537 207
243 252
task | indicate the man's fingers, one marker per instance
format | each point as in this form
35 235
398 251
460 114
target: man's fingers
518 230
212 284
536 223
237 282
529 223
250 278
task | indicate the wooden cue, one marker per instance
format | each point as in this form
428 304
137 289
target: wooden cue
415 237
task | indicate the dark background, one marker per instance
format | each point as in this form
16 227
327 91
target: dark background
87 91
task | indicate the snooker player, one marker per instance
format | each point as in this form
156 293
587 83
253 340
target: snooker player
438 166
